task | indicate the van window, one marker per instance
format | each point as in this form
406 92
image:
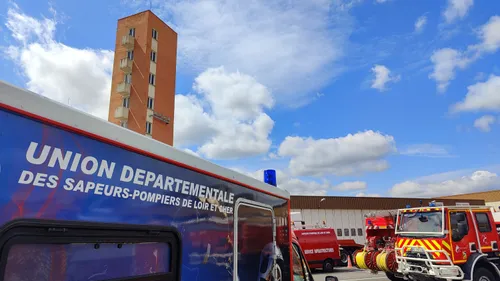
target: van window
353 232
360 232
298 265
339 232
70 252
346 232
483 222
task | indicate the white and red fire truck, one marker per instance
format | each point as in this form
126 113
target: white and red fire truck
448 243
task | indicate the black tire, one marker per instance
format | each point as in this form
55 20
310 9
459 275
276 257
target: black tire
328 266
392 277
483 274
344 255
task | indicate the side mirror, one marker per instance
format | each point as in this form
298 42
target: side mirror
331 278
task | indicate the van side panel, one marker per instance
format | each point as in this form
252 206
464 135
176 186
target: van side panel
52 173
319 245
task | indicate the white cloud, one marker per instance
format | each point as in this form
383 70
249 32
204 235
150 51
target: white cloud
483 123
382 77
298 186
226 117
420 23
265 39
295 186
457 9
79 77
350 186
475 182
482 96
489 34
446 61
352 154
191 152
425 150
362 194
193 126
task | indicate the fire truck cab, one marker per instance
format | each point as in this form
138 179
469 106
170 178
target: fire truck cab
447 242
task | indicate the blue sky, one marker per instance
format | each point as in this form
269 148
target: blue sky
346 97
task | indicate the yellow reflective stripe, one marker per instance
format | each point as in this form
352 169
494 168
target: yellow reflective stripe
436 244
429 245
400 242
406 242
446 245
421 244
437 254
412 242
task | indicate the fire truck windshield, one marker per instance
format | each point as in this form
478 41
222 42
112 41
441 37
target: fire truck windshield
421 223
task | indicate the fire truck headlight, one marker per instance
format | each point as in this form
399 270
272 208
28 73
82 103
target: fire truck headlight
449 271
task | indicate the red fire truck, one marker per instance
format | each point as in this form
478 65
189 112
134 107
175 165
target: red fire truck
322 249
448 242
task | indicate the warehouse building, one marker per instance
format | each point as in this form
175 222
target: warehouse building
491 198
346 214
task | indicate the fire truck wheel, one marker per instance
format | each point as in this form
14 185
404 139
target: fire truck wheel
328 266
483 274
392 277
343 258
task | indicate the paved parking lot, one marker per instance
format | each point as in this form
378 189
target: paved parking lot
353 274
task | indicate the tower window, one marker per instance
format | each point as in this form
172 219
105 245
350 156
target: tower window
151 79
149 127
155 34
130 55
126 102
131 32
153 56
150 103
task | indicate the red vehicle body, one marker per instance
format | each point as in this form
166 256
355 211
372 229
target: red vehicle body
322 249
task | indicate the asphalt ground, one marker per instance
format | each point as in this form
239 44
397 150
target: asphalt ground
350 274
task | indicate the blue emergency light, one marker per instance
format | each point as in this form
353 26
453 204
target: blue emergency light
432 204
408 206
270 177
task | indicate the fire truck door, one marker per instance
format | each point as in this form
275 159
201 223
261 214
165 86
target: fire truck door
460 238
487 232
254 241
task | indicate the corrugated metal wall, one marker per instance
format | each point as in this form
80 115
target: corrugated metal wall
338 219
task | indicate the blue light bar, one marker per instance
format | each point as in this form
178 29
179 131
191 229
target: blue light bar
408 206
270 177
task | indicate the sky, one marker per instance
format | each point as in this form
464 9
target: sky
393 98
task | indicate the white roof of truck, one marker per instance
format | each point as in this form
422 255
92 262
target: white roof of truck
35 104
